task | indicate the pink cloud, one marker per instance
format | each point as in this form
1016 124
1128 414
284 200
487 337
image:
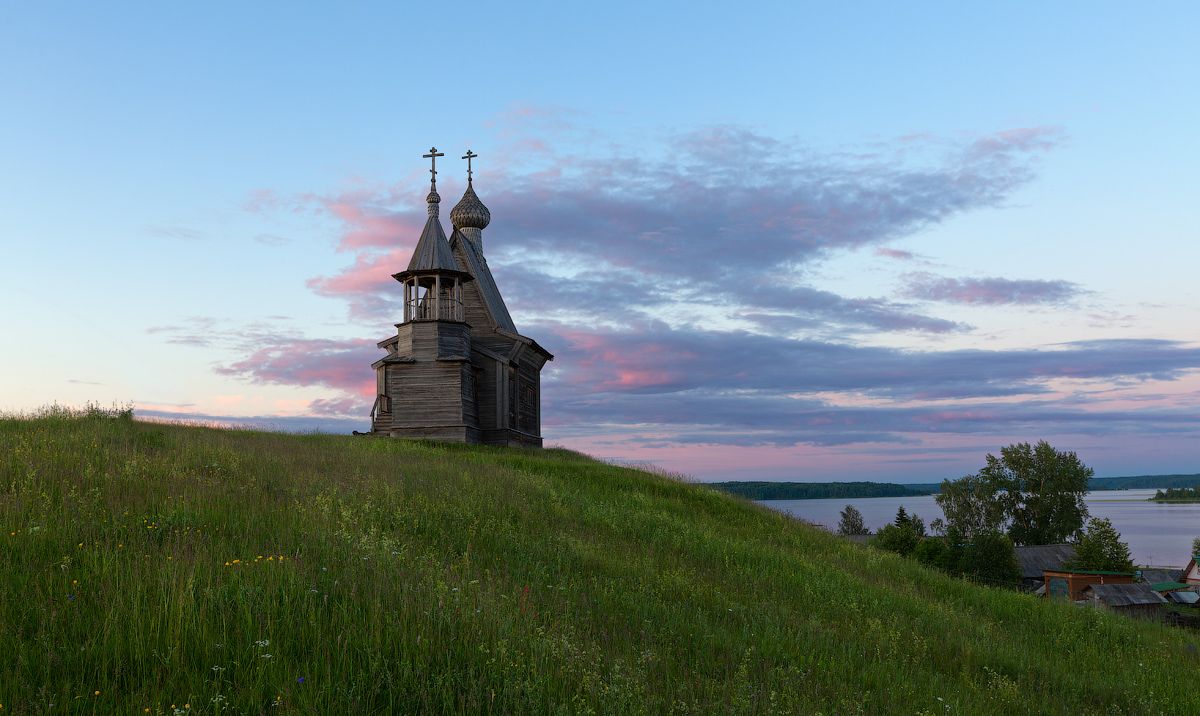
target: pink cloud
369 274
369 226
341 365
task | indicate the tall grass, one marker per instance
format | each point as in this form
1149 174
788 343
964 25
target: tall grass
197 570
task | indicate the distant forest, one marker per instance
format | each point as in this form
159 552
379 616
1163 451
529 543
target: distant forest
757 490
820 490
1143 482
1177 494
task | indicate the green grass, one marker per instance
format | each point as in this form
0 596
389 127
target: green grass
427 578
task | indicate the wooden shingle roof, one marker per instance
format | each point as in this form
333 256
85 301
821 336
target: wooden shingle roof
484 282
1036 559
1125 595
432 253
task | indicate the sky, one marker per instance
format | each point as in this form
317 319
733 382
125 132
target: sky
793 241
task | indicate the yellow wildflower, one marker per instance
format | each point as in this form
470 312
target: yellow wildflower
97 693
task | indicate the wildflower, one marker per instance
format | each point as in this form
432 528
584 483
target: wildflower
97 693
187 706
299 679
146 710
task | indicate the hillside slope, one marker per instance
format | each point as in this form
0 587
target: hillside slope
146 566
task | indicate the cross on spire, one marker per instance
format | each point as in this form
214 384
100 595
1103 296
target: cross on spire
469 156
432 157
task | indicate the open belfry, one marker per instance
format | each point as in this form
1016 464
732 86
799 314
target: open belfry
457 369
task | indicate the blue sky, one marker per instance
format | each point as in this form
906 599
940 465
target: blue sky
939 228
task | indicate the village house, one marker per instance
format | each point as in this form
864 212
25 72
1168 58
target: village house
1071 584
1135 600
457 368
1191 573
1034 560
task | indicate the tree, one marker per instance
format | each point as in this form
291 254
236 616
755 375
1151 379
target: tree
1196 546
901 540
932 552
972 505
917 524
902 535
1100 548
852 522
1033 492
991 558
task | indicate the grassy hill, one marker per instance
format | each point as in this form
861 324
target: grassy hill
145 566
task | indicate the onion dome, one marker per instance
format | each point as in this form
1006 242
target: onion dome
433 200
469 212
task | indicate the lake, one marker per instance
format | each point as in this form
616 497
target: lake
1157 534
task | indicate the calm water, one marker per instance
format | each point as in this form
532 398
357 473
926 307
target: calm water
1157 534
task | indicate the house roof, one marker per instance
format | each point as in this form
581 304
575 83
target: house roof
1153 576
1169 586
1184 597
1125 595
1036 559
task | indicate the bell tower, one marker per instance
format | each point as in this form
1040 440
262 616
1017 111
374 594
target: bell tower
425 383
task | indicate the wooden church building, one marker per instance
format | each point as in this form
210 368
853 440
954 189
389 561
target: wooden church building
457 369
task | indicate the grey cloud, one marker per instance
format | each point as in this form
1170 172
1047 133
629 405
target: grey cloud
991 291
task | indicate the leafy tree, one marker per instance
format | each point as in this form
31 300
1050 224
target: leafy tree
1044 491
1034 492
972 505
852 522
1100 548
902 535
991 558
916 524
932 552
1196 546
901 540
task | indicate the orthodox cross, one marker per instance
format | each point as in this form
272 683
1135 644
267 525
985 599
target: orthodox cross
469 156
432 157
